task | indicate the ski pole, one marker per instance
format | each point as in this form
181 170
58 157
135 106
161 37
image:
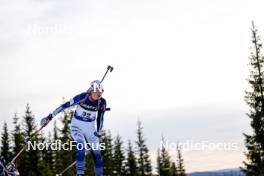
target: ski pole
24 147
109 68
66 169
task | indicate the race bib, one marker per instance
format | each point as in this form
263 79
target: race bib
87 115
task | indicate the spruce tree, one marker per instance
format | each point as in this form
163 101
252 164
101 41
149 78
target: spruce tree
66 156
159 163
119 157
17 138
144 163
165 160
180 162
45 160
165 163
30 158
48 157
107 153
173 170
55 131
57 163
255 99
131 161
5 141
17 135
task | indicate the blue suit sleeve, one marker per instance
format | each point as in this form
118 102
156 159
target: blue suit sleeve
75 100
100 115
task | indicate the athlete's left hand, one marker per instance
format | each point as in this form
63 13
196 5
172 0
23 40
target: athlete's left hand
98 134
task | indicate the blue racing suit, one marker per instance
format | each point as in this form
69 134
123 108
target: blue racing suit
83 128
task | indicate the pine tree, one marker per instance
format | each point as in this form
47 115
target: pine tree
255 100
57 162
55 131
164 161
148 168
119 157
5 147
180 162
107 153
159 163
17 138
45 160
131 161
17 135
144 163
173 170
47 157
30 158
66 156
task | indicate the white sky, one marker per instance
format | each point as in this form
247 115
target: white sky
180 66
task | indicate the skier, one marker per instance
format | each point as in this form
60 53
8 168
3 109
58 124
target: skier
90 108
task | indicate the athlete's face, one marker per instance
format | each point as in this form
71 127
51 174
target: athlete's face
96 94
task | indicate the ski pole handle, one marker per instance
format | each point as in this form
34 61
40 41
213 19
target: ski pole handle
107 109
109 68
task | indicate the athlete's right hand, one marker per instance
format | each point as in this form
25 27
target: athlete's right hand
44 121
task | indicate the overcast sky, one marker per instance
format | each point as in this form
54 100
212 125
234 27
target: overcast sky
180 66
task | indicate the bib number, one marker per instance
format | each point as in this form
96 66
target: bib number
86 114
